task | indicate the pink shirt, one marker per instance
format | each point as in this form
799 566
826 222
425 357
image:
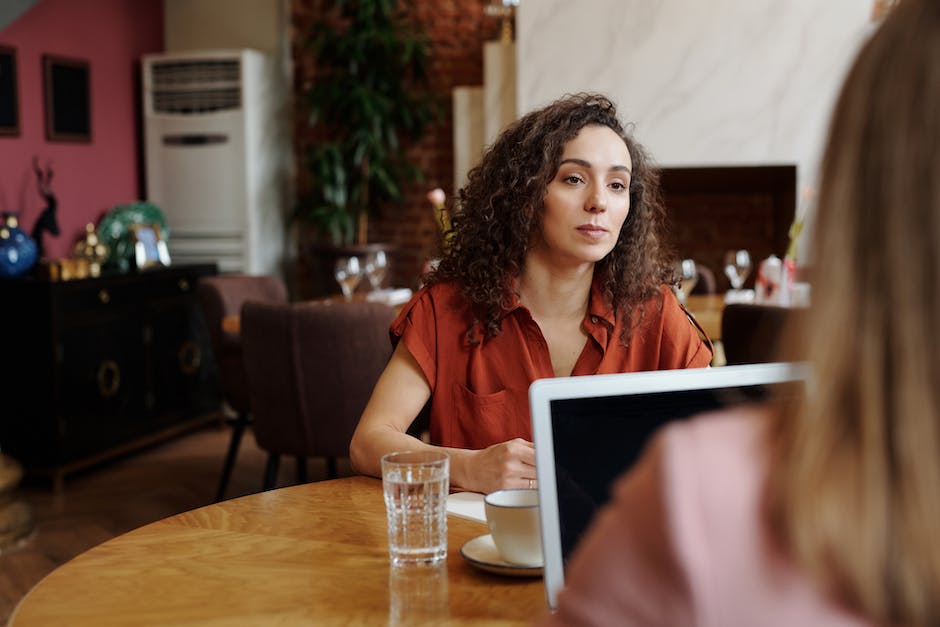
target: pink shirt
682 541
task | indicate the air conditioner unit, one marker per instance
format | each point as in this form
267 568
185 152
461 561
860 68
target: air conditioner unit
217 156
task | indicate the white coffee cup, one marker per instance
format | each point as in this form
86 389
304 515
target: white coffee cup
513 518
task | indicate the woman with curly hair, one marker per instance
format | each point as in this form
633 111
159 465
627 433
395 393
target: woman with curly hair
555 267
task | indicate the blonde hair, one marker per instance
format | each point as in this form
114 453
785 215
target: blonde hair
854 492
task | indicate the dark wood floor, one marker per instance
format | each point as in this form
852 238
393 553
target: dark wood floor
113 498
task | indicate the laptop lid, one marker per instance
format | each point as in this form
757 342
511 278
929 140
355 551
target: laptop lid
589 430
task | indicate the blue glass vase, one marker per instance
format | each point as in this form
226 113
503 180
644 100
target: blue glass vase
18 251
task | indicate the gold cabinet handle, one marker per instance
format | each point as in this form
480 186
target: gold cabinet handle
104 297
189 356
183 285
109 378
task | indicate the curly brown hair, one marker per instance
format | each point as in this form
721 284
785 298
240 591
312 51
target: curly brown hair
501 206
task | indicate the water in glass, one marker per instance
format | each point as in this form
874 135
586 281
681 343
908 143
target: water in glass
347 273
416 485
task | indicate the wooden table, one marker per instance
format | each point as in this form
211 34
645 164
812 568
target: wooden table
308 554
707 310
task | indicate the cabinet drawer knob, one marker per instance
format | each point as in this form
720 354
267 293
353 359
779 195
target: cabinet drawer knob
109 378
190 357
104 297
184 285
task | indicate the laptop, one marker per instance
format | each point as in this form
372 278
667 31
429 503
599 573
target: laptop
589 430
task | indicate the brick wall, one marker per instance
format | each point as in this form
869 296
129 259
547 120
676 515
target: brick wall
711 210
457 30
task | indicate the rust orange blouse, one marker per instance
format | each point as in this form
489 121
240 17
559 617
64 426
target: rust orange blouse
480 392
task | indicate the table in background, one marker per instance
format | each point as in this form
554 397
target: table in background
707 310
309 554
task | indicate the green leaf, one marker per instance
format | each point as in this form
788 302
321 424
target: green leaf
369 88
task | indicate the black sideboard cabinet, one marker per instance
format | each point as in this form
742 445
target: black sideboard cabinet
93 368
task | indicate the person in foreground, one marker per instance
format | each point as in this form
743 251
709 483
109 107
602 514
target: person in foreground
826 512
555 267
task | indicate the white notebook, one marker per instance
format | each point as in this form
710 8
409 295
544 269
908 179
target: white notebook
467 505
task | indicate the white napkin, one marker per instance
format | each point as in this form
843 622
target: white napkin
391 296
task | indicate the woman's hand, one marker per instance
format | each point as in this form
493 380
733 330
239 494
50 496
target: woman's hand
508 464
399 395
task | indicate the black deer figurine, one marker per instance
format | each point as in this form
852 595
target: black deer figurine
47 219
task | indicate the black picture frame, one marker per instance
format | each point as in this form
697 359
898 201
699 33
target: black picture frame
9 94
67 98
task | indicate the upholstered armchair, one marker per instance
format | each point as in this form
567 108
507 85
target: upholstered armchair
751 333
221 298
311 368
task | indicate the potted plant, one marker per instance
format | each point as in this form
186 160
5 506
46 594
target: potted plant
369 96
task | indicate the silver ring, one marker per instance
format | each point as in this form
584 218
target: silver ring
531 482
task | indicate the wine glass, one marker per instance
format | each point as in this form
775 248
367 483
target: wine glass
688 277
376 268
347 273
737 267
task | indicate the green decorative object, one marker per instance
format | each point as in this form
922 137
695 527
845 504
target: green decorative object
114 231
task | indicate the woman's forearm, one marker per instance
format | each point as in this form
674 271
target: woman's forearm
368 447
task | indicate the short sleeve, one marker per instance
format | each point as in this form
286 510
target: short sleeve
684 343
416 326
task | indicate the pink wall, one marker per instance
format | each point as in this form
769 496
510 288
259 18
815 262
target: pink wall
90 178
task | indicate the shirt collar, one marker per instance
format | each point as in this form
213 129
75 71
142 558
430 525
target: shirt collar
599 306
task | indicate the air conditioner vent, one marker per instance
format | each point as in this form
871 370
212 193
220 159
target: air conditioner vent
195 72
214 157
196 100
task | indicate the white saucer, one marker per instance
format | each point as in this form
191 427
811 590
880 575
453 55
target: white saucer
482 553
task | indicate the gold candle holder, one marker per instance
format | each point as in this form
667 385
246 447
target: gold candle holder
92 251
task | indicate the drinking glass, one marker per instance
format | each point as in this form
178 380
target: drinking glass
688 277
347 273
416 485
376 268
737 267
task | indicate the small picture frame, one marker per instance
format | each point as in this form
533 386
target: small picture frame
9 95
67 85
150 248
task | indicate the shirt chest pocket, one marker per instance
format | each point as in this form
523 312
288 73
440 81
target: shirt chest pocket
482 419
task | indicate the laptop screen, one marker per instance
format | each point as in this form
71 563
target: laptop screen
589 430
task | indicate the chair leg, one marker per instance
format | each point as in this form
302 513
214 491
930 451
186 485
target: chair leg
331 467
270 471
238 428
301 469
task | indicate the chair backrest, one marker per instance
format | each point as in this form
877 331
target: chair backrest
751 333
311 368
223 296
706 280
